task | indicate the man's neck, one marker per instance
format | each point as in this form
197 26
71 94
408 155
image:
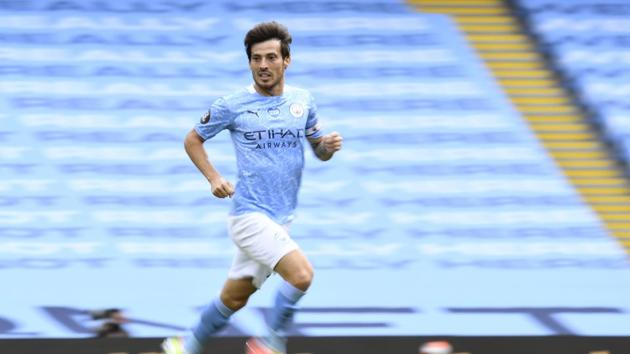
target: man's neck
276 90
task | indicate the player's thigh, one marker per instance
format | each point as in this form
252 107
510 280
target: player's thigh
260 238
295 268
244 267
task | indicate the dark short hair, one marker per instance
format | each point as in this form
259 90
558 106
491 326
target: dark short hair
265 31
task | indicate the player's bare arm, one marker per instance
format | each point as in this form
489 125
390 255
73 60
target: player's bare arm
326 146
193 144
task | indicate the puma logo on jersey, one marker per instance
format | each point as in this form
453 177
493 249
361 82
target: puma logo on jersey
253 112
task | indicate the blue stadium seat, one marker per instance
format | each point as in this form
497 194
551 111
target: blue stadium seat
589 43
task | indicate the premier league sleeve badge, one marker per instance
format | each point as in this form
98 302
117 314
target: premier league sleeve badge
205 118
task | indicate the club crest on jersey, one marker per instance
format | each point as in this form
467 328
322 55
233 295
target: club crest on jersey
296 109
205 118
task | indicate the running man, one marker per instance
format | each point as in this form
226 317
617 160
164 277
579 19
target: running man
268 123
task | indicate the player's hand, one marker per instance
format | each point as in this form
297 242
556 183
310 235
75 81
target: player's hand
222 188
332 142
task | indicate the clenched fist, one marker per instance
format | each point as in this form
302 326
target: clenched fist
221 187
332 142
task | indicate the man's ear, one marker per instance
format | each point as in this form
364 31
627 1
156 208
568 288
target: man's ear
287 61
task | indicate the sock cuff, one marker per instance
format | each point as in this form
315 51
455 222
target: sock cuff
192 345
290 292
224 310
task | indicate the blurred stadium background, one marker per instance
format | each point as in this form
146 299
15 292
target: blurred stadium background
482 195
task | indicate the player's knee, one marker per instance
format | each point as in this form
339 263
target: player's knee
302 278
234 302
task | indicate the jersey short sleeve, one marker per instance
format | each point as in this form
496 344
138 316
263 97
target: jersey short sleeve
313 129
217 118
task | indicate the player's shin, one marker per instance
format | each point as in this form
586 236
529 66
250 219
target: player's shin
282 313
213 319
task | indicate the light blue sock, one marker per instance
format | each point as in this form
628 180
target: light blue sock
282 315
213 319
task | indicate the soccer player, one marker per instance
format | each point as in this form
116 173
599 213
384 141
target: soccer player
268 123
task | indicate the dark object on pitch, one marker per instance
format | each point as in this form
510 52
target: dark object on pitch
112 327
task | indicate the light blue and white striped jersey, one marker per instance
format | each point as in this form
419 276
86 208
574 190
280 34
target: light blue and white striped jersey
268 133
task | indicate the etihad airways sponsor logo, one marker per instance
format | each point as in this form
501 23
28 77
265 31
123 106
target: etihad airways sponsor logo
275 138
274 134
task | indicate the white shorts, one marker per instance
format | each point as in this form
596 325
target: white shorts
261 244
